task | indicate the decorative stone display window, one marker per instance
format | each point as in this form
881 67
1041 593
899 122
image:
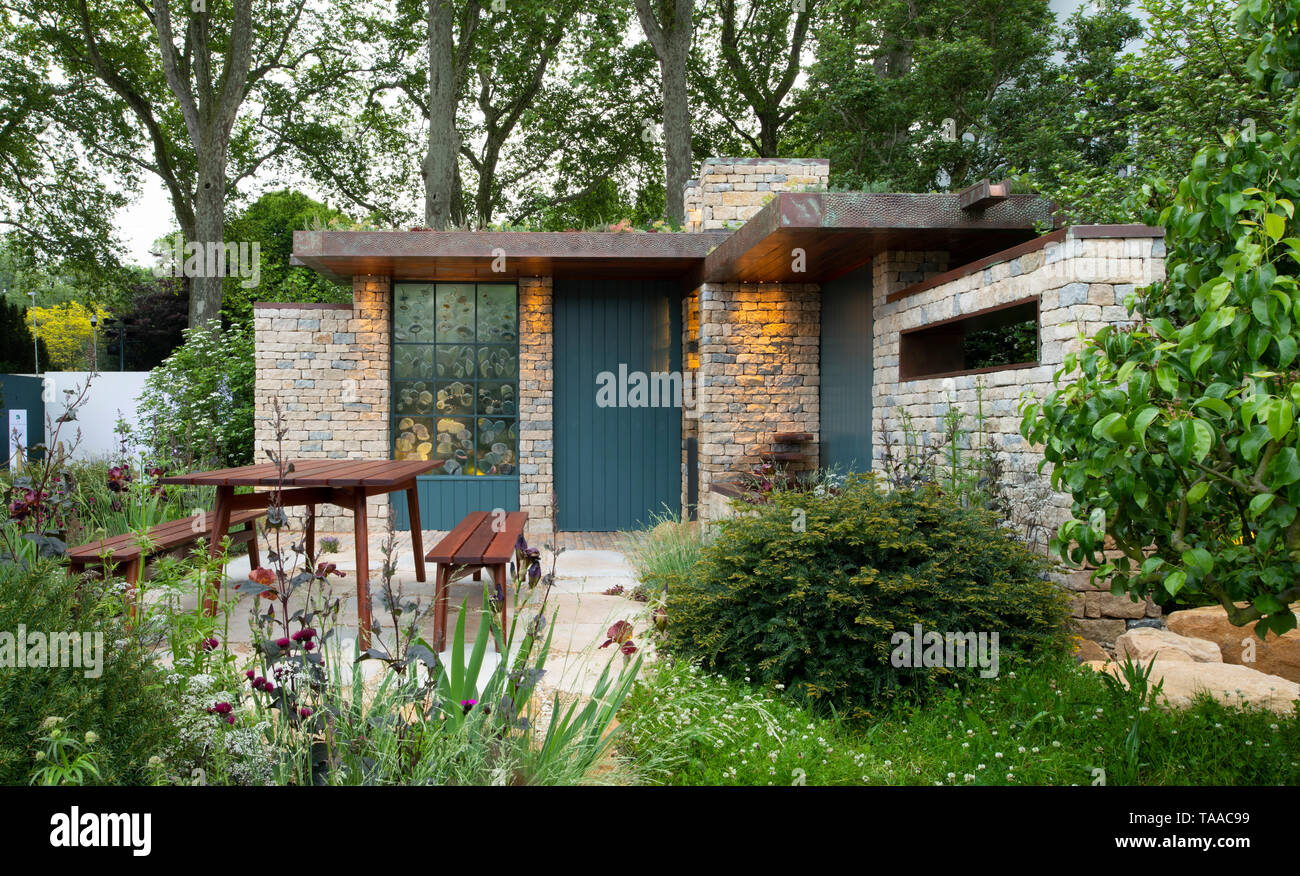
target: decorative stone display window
456 376
995 339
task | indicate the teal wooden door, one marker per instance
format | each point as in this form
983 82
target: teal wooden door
618 433
846 367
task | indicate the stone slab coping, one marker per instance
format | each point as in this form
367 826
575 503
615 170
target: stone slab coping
754 162
1071 232
299 305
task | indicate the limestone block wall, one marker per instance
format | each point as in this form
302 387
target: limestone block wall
1080 280
731 190
329 366
690 370
536 403
759 373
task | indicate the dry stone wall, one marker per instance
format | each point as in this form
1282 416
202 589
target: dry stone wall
329 367
731 190
759 374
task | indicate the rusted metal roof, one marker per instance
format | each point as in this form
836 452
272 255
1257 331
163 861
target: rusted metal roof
796 237
833 233
498 255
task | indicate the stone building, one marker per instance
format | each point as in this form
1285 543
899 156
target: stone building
596 380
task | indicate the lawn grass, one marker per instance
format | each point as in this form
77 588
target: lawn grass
1043 723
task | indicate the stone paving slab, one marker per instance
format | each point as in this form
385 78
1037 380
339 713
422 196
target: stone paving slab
579 613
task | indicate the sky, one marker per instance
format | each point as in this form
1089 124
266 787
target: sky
151 216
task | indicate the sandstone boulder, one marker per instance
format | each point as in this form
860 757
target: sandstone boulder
1086 650
1184 680
1144 643
1274 655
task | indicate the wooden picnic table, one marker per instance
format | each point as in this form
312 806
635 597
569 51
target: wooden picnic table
483 540
343 482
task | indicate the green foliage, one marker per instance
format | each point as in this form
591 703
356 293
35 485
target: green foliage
1048 722
123 705
1180 432
197 406
16 343
808 592
270 221
667 550
887 75
1123 128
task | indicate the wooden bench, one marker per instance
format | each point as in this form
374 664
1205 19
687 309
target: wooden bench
483 540
125 550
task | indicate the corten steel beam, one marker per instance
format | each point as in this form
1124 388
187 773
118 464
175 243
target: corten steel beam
473 255
840 231
835 231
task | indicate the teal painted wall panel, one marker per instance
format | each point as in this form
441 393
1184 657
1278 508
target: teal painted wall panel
615 467
846 372
444 501
22 392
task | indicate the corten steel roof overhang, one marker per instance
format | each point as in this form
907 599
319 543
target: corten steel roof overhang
469 255
840 231
836 231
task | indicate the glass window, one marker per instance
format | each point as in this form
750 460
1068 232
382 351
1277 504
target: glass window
456 376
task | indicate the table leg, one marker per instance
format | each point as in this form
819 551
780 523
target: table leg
361 535
220 526
499 580
254 558
417 538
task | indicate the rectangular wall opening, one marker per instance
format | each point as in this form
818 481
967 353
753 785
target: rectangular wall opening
994 339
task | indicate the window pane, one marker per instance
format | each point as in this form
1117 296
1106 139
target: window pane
497 446
414 438
413 312
497 312
456 397
455 444
496 398
414 397
498 362
455 362
411 361
455 312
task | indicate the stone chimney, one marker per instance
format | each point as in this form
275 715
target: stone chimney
730 190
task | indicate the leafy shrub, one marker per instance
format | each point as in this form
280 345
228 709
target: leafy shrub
808 592
1180 433
197 406
122 706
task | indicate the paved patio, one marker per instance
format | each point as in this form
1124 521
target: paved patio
582 613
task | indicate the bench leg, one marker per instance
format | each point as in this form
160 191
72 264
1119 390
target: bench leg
478 574
132 578
499 579
309 539
442 584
